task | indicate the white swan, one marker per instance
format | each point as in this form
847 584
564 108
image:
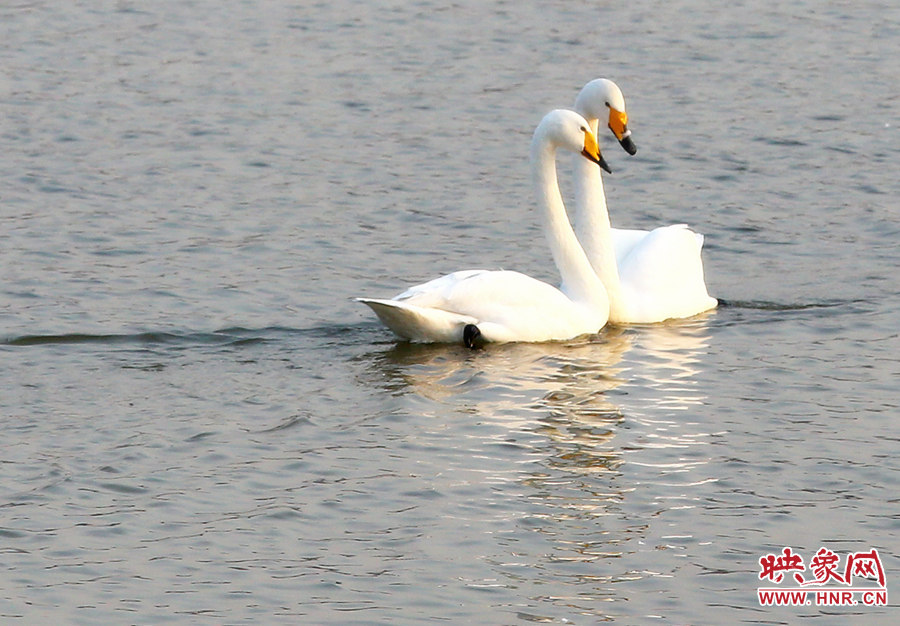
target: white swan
473 306
650 276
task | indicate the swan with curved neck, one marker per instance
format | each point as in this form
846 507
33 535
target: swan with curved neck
650 276
474 306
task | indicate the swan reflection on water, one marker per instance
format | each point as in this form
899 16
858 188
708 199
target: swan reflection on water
550 448
565 391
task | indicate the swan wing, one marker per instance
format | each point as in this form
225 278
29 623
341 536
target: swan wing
436 292
511 306
663 276
624 240
505 305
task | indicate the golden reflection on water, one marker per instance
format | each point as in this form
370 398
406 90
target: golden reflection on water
600 426
562 391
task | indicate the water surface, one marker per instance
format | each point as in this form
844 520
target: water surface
200 425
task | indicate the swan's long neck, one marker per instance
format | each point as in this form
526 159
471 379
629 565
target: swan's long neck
593 227
579 281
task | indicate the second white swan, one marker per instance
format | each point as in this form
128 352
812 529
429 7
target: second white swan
650 276
475 306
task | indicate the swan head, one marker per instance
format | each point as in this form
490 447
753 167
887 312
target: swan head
602 99
567 129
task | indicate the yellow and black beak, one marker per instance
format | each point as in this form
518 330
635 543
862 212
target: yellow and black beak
592 151
618 124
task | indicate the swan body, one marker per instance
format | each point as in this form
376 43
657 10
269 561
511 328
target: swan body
504 306
650 276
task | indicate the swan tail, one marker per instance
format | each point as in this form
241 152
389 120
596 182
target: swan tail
416 323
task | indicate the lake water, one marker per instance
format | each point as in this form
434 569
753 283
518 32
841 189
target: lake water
200 425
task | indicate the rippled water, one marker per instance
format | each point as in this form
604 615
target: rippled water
200 425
